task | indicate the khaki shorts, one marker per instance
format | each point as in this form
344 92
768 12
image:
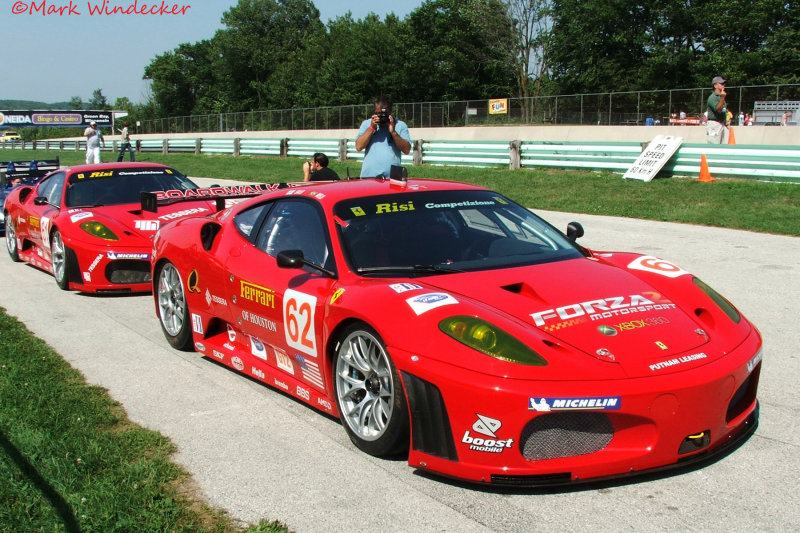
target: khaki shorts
716 132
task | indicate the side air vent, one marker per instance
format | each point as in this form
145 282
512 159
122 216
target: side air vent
431 432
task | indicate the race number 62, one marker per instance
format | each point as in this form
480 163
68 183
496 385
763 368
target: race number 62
298 321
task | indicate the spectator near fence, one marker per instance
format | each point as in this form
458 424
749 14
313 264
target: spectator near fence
716 112
94 138
316 169
384 138
126 143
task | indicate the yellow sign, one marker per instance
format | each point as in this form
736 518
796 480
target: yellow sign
498 106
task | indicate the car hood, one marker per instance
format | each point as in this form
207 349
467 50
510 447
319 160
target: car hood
602 310
132 221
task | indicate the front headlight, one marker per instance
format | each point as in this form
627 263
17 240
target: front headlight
490 340
99 230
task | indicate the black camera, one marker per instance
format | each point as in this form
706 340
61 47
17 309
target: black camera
383 116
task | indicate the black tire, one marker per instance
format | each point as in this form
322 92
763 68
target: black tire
173 312
59 255
368 392
11 240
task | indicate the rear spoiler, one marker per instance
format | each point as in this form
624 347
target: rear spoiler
218 194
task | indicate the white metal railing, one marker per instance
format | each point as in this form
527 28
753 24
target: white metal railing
764 162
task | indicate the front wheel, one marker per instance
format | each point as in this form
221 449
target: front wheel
368 393
58 254
11 240
173 313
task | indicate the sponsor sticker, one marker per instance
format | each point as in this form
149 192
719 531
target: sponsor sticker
751 364
115 256
258 349
257 293
595 403
400 288
677 361
147 225
425 302
197 324
80 216
487 427
283 361
269 325
598 309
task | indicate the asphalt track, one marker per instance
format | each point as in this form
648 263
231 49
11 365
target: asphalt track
260 454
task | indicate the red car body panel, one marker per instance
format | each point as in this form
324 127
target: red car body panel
639 358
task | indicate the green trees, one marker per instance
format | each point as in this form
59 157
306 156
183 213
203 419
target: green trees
611 45
278 54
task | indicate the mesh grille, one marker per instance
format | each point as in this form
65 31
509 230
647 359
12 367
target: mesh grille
565 434
128 271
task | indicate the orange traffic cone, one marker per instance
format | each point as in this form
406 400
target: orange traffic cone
705 175
731 136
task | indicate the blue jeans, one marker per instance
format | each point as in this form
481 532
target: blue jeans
125 146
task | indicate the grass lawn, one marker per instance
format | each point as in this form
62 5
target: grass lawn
739 204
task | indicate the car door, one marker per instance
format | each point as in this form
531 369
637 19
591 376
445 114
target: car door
282 309
41 207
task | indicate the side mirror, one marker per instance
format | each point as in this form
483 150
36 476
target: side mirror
291 259
40 200
574 231
296 259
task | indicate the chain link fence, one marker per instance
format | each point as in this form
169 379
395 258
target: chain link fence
620 108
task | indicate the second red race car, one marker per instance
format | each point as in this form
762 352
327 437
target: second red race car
445 321
87 225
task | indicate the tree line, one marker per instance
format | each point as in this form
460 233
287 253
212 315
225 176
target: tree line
278 54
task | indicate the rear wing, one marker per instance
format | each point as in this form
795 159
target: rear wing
28 171
218 194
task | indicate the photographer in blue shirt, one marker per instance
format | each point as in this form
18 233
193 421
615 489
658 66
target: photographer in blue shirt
384 138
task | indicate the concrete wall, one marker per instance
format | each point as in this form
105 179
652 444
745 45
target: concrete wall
765 135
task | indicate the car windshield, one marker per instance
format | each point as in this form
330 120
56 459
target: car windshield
424 233
121 185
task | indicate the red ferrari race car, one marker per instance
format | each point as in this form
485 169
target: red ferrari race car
88 227
445 321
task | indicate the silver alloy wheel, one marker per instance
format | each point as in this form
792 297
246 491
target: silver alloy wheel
171 300
364 385
11 238
58 257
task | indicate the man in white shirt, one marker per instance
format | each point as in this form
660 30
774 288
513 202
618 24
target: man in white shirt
94 138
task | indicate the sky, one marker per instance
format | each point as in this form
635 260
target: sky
55 50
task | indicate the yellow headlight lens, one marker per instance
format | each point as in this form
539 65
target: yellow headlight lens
96 229
490 340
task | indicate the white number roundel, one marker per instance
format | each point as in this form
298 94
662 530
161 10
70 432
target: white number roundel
298 321
648 263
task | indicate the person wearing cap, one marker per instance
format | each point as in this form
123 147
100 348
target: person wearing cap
94 138
715 125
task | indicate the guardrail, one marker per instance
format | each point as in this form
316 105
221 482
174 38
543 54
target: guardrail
768 163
